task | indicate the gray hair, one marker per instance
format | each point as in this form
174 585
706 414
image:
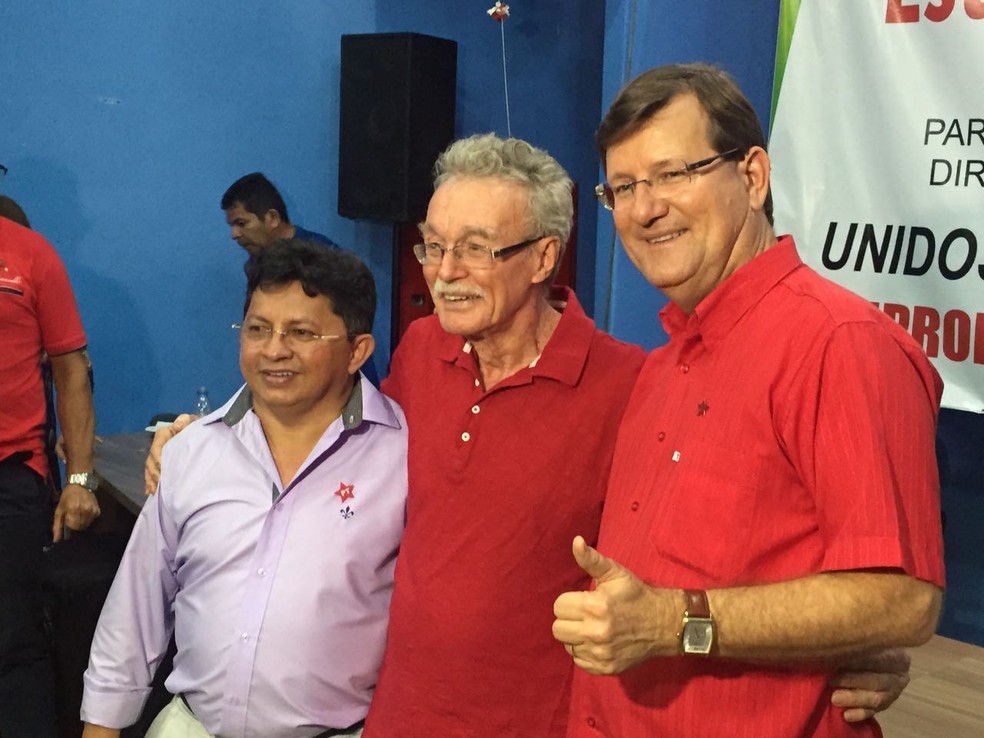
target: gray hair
549 206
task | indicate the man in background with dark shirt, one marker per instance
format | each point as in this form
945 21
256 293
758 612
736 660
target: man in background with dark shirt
257 215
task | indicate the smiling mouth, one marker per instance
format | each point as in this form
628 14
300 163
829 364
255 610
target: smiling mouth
665 237
277 376
450 297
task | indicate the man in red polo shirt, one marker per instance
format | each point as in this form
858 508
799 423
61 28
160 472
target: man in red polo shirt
513 400
773 507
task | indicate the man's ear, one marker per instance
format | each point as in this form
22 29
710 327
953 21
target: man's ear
548 255
757 171
363 345
271 219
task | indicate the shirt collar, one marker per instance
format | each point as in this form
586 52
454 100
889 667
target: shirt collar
563 357
365 403
718 313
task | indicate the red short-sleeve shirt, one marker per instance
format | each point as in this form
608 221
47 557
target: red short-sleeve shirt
786 429
37 311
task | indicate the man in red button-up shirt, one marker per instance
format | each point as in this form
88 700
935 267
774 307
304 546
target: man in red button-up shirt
773 507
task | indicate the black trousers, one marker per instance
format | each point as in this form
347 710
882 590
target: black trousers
27 700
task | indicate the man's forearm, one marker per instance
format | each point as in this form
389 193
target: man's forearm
76 414
824 617
810 622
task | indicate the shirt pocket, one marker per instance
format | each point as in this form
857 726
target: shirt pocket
707 509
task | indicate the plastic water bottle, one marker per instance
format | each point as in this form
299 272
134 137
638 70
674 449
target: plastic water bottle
202 405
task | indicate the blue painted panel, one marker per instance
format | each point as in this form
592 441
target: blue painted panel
123 124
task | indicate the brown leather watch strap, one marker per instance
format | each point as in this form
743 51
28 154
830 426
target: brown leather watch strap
697 604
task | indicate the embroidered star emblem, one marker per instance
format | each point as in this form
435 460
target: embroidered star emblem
345 492
703 407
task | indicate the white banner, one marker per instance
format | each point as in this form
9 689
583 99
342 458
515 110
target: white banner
878 165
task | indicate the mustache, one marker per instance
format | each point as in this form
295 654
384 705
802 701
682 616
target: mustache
449 289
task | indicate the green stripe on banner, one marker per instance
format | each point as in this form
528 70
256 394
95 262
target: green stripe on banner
788 10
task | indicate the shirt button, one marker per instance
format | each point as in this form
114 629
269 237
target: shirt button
244 637
660 436
684 368
466 436
261 571
635 506
591 722
476 409
476 382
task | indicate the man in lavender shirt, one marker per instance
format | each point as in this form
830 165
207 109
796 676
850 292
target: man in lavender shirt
273 536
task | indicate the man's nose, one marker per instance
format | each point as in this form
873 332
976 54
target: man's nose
450 267
648 203
277 344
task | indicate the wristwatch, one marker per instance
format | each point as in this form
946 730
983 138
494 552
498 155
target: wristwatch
84 479
697 635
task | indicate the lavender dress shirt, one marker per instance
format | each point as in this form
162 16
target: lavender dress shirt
278 598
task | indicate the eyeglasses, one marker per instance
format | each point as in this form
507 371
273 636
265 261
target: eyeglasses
257 333
470 255
664 182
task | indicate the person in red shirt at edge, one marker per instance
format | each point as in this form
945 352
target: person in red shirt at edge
513 399
773 505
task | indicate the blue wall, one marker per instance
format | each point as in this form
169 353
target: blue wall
123 128
123 124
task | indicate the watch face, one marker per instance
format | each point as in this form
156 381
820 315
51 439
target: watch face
84 479
698 636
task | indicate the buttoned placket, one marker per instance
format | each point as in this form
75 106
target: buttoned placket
680 389
471 416
259 587
249 619
690 353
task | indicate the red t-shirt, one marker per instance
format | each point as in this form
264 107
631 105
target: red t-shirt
786 429
37 311
500 483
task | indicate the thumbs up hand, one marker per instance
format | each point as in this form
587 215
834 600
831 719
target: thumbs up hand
615 626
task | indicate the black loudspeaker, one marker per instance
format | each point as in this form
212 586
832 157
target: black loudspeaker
397 114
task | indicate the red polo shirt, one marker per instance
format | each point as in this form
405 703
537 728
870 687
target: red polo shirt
500 483
786 429
37 311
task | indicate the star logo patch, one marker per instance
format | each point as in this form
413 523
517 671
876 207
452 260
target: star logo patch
345 492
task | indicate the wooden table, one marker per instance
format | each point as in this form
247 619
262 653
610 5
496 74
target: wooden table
944 696
119 462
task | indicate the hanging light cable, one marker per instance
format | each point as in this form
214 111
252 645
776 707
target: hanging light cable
499 12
